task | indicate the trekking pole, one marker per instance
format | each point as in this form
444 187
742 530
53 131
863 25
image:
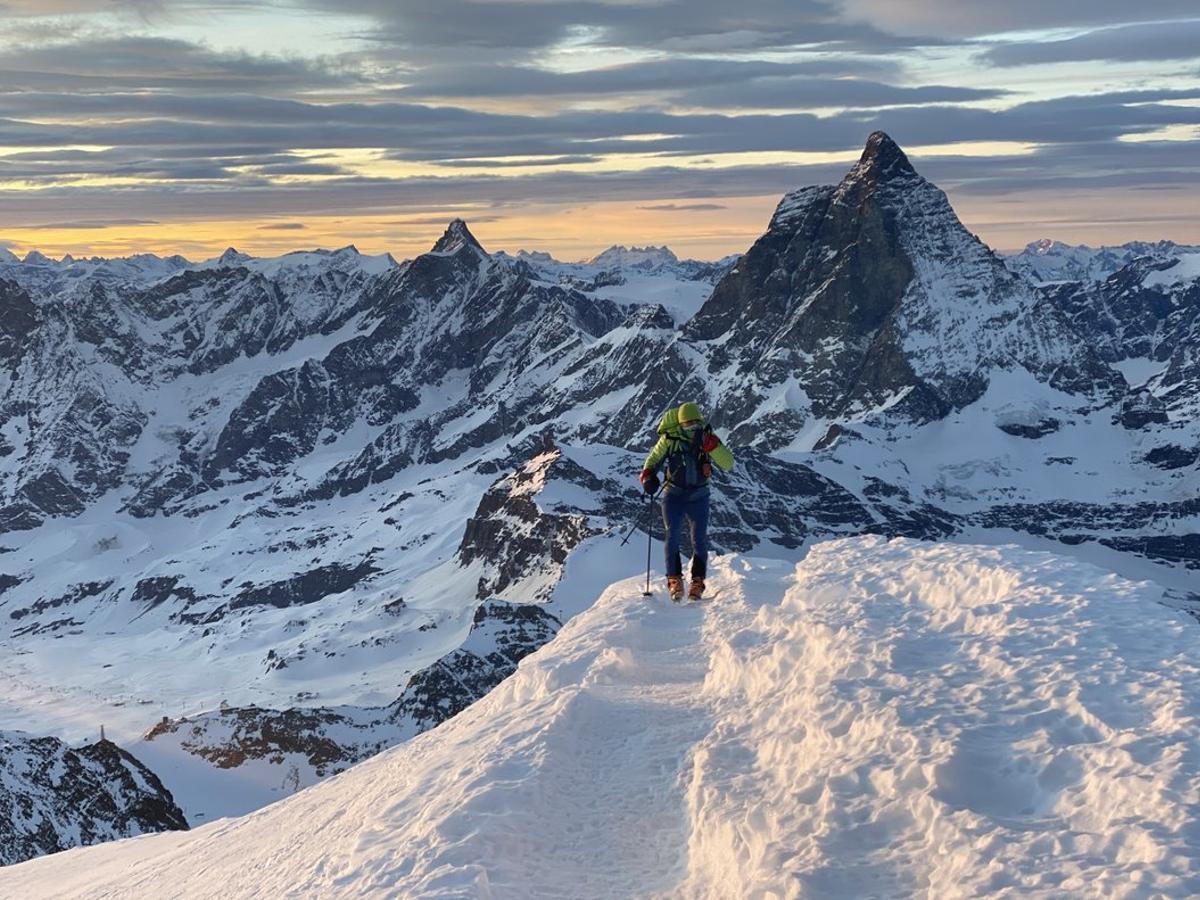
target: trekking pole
634 526
649 542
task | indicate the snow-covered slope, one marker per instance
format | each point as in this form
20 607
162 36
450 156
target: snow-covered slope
644 276
1047 261
1145 320
883 719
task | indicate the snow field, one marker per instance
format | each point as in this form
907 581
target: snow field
953 720
884 718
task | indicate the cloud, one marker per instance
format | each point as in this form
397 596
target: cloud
106 63
1051 169
499 29
1129 43
668 74
1056 168
441 221
183 163
478 91
283 226
803 92
269 134
43 8
1098 119
957 18
684 207
575 159
88 226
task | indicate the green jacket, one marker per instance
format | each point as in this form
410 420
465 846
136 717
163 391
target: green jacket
672 438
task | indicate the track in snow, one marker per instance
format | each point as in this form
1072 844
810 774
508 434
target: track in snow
885 718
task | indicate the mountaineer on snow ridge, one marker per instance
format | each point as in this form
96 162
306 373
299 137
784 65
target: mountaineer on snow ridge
687 447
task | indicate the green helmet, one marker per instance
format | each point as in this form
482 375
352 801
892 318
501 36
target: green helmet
689 412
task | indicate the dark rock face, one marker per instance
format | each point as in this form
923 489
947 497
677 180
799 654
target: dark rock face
817 293
151 592
18 319
77 594
306 587
53 797
279 422
1032 431
501 636
457 237
229 738
872 295
1171 456
767 499
1120 527
513 539
1138 410
1145 310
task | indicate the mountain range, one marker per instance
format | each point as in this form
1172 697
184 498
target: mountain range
265 518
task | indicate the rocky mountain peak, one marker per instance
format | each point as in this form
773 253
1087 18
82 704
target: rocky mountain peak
457 236
1042 246
883 156
37 258
627 257
882 171
231 257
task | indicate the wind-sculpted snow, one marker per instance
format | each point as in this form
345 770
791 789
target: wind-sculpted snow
882 719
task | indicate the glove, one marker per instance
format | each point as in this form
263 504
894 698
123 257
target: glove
649 480
711 442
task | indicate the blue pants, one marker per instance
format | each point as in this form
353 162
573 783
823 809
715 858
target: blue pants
678 505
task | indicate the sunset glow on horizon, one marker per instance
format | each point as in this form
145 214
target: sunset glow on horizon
174 126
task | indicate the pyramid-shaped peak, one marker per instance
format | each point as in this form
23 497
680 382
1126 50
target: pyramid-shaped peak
883 157
457 236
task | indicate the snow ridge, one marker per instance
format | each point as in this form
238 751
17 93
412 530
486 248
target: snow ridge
885 718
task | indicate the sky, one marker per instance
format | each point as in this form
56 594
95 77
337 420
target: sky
187 126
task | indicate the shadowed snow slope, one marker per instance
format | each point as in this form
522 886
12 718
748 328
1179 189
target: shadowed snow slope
884 718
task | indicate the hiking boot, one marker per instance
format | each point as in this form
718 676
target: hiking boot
696 591
675 587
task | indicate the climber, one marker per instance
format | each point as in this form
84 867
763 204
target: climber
688 448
